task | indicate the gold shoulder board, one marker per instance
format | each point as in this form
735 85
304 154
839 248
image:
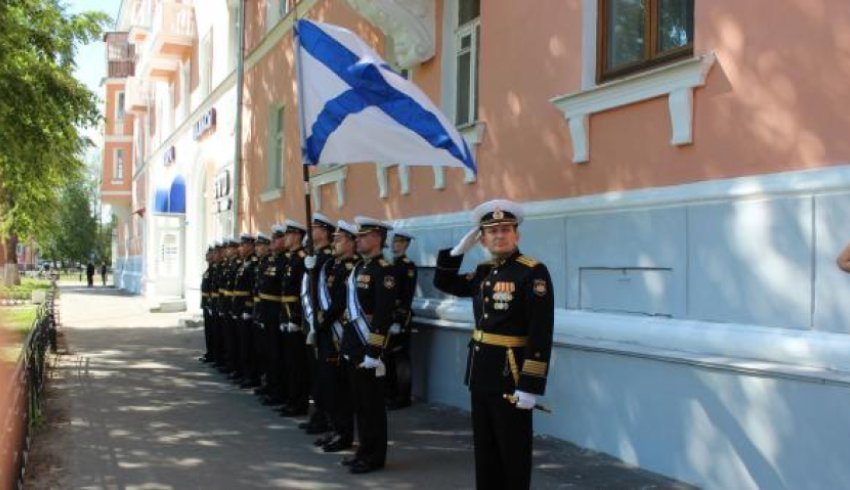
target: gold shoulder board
527 261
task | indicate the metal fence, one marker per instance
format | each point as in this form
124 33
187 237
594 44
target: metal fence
25 391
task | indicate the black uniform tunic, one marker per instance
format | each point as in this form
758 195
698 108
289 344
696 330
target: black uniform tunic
510 348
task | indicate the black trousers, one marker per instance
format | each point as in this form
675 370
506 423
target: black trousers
502 435
275 360
399 375
220 339
370 411
208 335
336 389
233 351
247 357
297 370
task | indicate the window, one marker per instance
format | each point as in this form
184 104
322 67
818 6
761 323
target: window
118 166
275 11
634 35
467 43
233 38
119 108
277 148
206 64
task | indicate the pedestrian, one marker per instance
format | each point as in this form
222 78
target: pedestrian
90 274
372 292
269 307
103 271
843 259
399 367
508 356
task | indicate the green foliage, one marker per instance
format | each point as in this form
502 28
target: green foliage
18 319
73 232
42 110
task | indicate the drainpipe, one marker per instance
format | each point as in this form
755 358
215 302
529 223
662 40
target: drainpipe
240 75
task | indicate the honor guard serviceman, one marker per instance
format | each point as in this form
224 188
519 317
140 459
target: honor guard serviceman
217 305
398 350
206 288
330 316
321 231
508 358
372 292
243 310
231 340
258 341
295 348
270 308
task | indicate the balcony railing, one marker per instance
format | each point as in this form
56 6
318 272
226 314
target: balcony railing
121 69
140 22
173 28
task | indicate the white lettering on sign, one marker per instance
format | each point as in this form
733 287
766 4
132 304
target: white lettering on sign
204 125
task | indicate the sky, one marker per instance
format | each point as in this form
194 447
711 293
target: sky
91 58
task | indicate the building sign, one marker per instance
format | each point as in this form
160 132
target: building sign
204 125
170 156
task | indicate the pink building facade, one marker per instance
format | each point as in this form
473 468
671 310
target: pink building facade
684 169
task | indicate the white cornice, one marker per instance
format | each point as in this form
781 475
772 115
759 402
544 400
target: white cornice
676 81
832 178
409 24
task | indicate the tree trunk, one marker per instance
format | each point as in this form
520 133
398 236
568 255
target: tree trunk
9 260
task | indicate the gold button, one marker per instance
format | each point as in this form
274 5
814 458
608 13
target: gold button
485 315
487 283
486 300
477 348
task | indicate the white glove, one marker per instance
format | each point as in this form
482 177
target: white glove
381 370
292 327
310 262
468 241
525 401
395 329
282 327
246 316
370 363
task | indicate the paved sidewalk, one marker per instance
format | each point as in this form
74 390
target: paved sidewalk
144 414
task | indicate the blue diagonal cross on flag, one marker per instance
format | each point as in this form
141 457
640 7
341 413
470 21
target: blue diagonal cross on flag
357 109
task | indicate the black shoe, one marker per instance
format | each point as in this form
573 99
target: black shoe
397 404
361 467
304 425
349 460
338 445
324 440
249 383
271 401
314 429
262 390
288 411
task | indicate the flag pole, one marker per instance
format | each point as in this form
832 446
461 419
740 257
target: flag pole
302 130
308 205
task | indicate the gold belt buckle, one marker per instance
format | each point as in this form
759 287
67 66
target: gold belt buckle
477 335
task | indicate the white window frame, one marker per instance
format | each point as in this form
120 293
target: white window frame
277 148
118 166
206 72
472 29
118 126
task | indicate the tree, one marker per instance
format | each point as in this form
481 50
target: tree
42 110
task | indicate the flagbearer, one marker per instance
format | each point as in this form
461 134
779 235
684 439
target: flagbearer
332 379
372 292
510 346
398 350
295 350
321 231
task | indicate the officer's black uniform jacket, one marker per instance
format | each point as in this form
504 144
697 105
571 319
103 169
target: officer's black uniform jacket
511 297
243 287
336 275
227 284
206 287
267 300
377 290
291 288
406 278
